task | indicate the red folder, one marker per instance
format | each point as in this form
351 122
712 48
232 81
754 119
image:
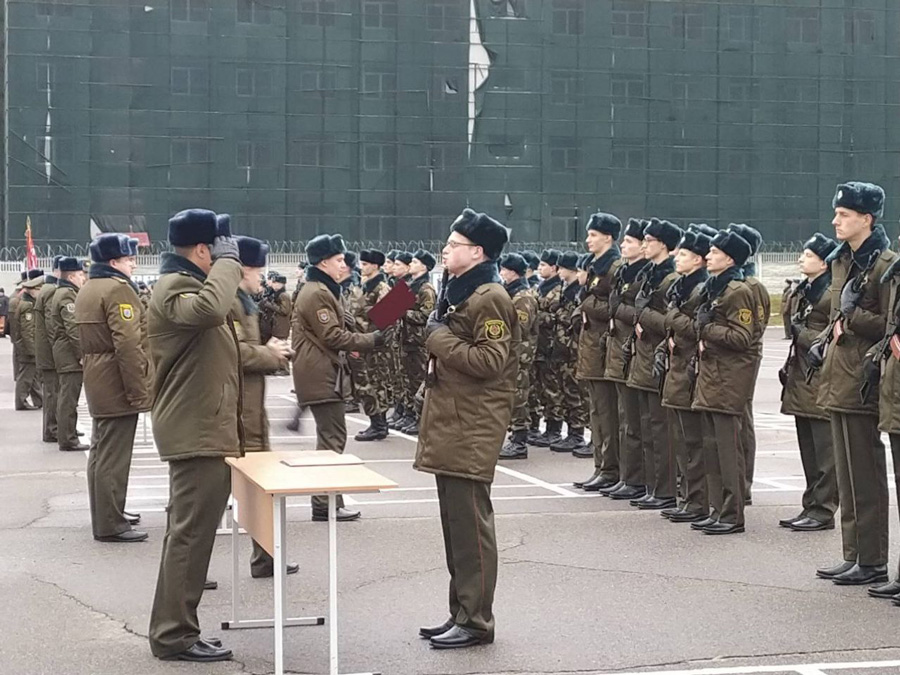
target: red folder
392 307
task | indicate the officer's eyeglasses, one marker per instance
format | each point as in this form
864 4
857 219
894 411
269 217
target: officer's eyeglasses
454 244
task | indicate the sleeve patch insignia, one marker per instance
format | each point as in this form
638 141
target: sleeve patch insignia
323 316
494 328
745 316
126 311
70 307
239 331
187 295
27 316
523 316
428 305
595 281
760 313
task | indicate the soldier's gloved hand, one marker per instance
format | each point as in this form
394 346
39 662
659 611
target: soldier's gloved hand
280 348
659 363
642 301
704 316
849 299
379 338
434 324
782 375
224 247
815 357
349 321
871 377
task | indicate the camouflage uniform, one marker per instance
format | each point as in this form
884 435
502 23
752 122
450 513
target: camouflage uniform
412 345
371 370
524 299
548 380
565 353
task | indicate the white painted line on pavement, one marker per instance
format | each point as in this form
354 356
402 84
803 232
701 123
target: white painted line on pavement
537 481
802 668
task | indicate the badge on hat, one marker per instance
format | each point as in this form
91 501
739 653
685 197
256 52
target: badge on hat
494 328
323 316
126 311
745 316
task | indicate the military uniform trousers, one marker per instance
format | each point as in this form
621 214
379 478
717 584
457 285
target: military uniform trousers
331 434
535 409
67 408
631 453
371 374
748 437
28 384
895 453
521 414
724 462
400 389
549 386
862 487
17 363
656 445
820 499
415 363
109 463
198 493
604 417
470 544
50 381
576 404
686 428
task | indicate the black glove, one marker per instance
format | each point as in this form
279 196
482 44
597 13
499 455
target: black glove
849 299
782 375
224 247
349 320
815 357
433 324
704 316
871 377
660 363
642 301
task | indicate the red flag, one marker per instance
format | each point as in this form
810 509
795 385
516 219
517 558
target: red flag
31 261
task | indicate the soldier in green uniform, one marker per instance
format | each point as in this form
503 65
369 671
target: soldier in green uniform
724 324
320 337
412 336
675 363
547 379
575 408
62 331
112 328
631 484
513 270
533 261
23 337
810 309
374 367
43 352
859 311
257 361
660 238
195 352
402 398
468 405
352 294
604 258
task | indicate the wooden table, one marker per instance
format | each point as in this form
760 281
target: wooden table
260 483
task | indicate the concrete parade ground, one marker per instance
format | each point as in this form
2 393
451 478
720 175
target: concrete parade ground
586 585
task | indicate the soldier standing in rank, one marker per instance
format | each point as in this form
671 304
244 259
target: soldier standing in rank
761 314
513 270
278 304
400 270
399 412
62 331
112 327
300 275
565 355
4 313
810 307
604 258
474 375
531 275
786 294
675 362
257 361
625 287
660 238
13 303
373 368
352 294
319 338
43 352
859 311
195 351
413 334
546 380
23 337
724 325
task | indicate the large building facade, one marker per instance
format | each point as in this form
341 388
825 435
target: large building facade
382 119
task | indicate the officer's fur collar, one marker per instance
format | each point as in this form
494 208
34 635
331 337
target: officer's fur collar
601 265
248 303
50 279
371 284
315 274
891 271
629 271
107 271
460 288
749 270
418 282
815 289
548 285
570 292
866 255
63 283
714 286
517 286
681 289
172 263
654 273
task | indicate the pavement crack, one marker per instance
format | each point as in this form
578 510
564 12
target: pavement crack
394 577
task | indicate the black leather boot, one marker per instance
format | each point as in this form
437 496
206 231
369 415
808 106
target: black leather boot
574 442
377 430
516 447
550 436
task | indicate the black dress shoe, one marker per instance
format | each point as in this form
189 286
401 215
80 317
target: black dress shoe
787 522
600 483
628 492
342 515
607 491
459 638
688 517
126 537
581 483
668 513
426 632
723 528
859 575
706 522
50 439
291 568
657 503
811 525
888 590
832 572
210 585
645 498
201 652
81 447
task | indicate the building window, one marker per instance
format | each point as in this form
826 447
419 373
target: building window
627 89
506 147
741 24
53 8
318 12
52 150
802 25
318 80
380 13
45 76
443 13
378 84
319 154
800 161
568 17
190 81
566 87
740 89
379 156
686 159
623 157
508 9
253 82
740 161
190 151
189 10
254 155
253 11
564 154
687 22
859 27
629 18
